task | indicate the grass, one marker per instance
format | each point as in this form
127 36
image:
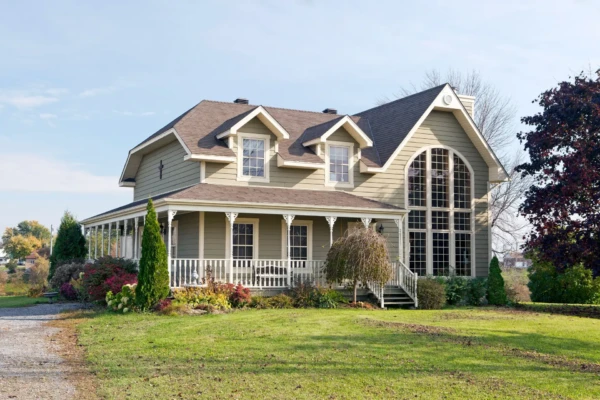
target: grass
19 301
344 354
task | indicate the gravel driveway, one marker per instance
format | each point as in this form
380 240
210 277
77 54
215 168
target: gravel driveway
29 365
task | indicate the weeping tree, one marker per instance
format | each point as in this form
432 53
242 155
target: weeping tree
359 256
153 275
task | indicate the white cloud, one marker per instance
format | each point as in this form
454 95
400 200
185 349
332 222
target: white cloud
98 91
38 173
23 100
57 91
48 116
134 114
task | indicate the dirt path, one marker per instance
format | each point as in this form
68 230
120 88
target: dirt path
30 367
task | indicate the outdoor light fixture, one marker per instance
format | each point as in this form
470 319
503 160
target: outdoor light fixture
162 229
380 229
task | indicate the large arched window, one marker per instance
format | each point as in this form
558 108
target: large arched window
440 222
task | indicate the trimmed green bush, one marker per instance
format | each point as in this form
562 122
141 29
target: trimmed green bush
575 286
456 288
70 242
496 294
431 294
153 277
475 291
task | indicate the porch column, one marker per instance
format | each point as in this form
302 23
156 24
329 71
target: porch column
135 238
102 251
118 230
124 244
288 220
398 223
170 215
89 237
331 221
231 217
109 239
96 242
366 222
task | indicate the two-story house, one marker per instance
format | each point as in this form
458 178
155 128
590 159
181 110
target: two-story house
257 194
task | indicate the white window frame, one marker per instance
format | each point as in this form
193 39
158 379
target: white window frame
240 157
309 237
451 209
255 232
351 163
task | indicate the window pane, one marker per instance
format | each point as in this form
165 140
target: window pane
299 242
243 240
417 181
462 184
462 247
439 220
417 219
439 178
441 253
339 163
462 221
418 252
253 157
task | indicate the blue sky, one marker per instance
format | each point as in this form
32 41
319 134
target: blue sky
83 82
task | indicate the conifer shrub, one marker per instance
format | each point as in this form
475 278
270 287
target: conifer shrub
70 242
496 294
153 276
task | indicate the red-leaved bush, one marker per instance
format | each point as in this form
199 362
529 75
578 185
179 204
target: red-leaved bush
68 291
107 274
161 305
240 296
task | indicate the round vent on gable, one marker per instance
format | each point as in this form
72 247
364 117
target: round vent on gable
447 99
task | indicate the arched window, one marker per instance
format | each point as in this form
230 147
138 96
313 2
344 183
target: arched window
440 222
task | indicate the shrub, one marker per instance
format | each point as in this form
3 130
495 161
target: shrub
456 289
475 291
161 305
97 276
153 276
359 256
79 287
3 280
64 273
36 291
68 291
496 295
515 285
431 294
280 301
240 297
122 302
38 273
575 285
11 266
70 242
303 295
202 298
328 298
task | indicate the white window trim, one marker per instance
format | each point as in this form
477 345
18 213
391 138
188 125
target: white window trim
351 163
240 157
450 209
253 221
309 237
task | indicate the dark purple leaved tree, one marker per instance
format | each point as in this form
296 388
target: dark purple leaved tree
563 204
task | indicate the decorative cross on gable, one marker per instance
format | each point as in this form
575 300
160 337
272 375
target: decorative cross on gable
160 169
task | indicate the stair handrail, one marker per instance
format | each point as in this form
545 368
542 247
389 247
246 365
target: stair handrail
407 280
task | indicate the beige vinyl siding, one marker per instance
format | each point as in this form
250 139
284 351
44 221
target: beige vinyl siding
177 173
214 235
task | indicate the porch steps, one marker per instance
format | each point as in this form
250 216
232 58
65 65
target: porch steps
395 296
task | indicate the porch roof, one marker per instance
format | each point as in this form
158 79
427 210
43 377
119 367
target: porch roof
227 197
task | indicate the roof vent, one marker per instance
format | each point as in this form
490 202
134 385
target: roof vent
241 101
330 111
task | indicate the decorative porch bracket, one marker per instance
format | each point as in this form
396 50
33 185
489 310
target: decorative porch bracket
331 221
231 216
366 222
288 220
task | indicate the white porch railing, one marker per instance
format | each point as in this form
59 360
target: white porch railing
265 274
250 273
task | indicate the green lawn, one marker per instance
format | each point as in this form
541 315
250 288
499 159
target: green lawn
345 354
19 301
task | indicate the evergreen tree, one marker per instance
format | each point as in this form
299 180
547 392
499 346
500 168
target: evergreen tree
496 293
70 242
153 276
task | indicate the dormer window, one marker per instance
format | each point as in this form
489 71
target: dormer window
340 163
253 157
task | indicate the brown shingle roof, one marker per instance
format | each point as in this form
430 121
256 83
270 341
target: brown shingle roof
268 195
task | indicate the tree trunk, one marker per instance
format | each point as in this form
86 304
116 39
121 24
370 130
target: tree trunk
355 288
